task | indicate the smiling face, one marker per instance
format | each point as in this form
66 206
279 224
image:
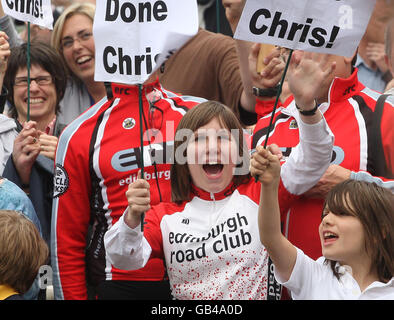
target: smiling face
342 237
42 97
211 157
79 56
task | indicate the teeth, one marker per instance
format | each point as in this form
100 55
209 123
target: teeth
329 234
38 100
83 59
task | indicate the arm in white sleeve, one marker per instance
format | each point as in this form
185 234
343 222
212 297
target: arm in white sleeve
310 158
126 248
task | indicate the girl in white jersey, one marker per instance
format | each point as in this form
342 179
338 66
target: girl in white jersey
208 235
356 233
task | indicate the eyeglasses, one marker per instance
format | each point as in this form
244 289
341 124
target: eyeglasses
82 36
41 81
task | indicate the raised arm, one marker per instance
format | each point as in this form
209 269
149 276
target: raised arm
270 79
311 157
283 254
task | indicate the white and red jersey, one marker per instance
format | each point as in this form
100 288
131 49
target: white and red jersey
349 115
98 156
211 244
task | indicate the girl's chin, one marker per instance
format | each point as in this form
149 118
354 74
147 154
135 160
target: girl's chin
215 187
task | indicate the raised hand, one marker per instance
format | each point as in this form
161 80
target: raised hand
309 77
5 53
270 76
376 53
266 166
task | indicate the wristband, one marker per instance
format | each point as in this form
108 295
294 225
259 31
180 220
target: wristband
269 92
308 112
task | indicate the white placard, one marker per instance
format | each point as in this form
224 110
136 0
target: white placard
35 11
133 38
326 26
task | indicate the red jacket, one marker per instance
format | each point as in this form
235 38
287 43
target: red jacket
97 157
348 114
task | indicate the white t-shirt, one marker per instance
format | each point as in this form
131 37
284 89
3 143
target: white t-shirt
314 280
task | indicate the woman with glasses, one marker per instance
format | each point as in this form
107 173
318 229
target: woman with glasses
34 107
72 38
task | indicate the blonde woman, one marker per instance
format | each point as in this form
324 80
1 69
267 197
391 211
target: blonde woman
72 38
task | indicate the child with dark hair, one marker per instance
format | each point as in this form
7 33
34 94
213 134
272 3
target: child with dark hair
356 234
22 253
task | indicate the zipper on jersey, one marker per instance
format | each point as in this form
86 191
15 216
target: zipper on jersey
212 195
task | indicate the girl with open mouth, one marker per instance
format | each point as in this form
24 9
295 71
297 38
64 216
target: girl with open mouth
208 234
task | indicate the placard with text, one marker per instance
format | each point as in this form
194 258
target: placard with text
326 26
35 11
133 38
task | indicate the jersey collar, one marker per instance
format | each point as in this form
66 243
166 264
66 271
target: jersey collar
132 91
344 88
205 195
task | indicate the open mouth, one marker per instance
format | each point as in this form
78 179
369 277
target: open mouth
213 170
82 60
329 237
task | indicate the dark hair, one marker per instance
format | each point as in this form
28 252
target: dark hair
374 207
194 119
42 55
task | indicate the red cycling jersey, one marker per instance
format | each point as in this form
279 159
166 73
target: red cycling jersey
98 156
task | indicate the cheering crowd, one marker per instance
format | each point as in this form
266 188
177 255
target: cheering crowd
221 194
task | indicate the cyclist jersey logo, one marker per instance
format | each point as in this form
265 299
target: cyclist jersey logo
128 123
293 124
60 181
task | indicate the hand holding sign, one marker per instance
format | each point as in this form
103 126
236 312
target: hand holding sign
271 74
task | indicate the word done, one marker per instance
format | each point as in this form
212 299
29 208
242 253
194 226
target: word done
129 12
